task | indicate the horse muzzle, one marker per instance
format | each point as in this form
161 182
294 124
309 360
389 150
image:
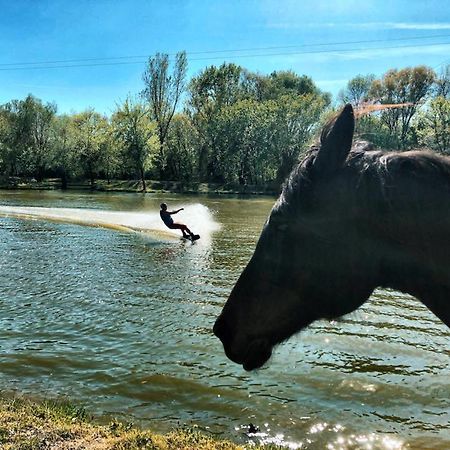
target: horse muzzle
251 353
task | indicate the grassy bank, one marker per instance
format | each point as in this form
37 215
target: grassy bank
136 186
28 425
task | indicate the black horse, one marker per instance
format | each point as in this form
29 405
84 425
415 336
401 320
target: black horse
347 221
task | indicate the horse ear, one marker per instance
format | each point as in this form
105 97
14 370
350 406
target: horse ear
336 141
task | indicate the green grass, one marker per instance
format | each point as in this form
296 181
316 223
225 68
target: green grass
54 425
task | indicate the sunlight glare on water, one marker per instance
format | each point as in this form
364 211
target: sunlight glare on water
332 437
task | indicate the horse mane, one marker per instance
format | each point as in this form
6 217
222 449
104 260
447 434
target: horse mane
423 162
379 166
300 177
373 166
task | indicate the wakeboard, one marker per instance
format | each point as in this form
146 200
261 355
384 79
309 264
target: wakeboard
191 238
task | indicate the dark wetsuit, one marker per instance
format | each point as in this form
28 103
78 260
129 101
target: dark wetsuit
166 218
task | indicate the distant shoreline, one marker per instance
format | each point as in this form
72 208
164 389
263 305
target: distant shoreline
21 183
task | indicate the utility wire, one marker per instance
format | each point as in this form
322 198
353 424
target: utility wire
117 63
258 49
442 64
346 50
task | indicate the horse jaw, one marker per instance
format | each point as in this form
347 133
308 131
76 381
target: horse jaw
249 340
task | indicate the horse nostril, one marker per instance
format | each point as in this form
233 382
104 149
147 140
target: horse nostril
220 329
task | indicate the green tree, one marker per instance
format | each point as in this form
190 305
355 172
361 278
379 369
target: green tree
28 138
357 90
90 135
435 126
243 152
219 92
110 153
443 83
412 86
41 118
64 157
297 120
215 88
182 162
259 142
163 91
369 127
212 90
8 157
282 83
136 135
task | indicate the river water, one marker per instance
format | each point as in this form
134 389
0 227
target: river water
120 321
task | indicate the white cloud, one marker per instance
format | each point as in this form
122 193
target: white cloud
288 25
407 25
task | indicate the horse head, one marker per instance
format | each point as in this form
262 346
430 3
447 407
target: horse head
312 259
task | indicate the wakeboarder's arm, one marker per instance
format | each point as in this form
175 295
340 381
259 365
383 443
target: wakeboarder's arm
175 212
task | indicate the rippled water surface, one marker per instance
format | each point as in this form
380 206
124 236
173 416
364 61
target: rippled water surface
121 322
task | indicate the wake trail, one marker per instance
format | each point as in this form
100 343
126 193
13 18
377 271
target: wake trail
196 216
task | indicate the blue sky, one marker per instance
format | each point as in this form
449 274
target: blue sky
324 39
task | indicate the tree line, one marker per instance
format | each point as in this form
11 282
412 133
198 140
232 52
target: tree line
225 125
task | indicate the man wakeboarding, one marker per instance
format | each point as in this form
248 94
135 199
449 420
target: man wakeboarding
166 217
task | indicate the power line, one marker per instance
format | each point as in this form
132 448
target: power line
442 64
117 63
258 49
346 50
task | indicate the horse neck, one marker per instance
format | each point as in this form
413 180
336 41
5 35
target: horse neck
410 236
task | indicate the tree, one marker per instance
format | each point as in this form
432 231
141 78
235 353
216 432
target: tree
41 134
443 83
64 162
410 86
215 88
297 120
212 90
243 151
109 152
163 92
282 83
8 156
219 92
29 135
259 142
90 134
357 90
136 135
435 128
182 162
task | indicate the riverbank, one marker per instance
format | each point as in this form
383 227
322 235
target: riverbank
28 425
136 186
